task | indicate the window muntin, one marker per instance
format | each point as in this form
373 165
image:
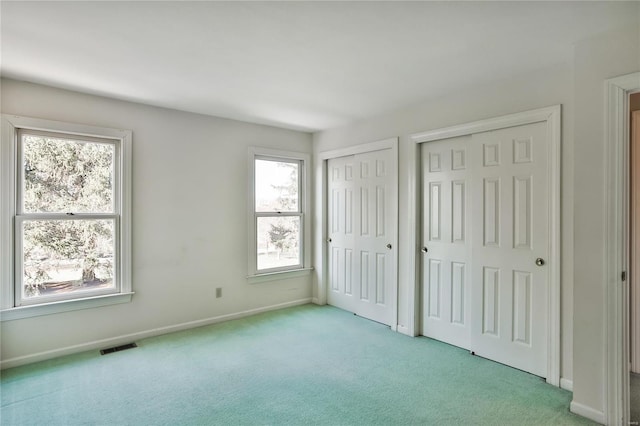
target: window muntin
67 218
278 215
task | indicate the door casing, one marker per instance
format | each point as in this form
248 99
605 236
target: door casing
616 300
634 283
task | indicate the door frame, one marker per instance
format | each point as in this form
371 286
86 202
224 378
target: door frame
322 219
616 297
635 241
552 117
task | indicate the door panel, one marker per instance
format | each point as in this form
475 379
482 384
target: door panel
510 188
341 220
362 230
445 233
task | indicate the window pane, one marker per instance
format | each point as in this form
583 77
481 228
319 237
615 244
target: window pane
278 242
62 176
277 186
65 256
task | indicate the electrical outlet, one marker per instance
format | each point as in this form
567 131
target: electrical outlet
218 292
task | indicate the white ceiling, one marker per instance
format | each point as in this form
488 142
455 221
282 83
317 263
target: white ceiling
301 65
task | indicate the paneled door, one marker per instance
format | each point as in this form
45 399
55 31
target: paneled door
510 228
446 254
362 220
486 228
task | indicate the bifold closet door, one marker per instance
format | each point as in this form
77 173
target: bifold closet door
447 248
510 225
485 235
362 221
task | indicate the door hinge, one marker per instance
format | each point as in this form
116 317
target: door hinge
624 275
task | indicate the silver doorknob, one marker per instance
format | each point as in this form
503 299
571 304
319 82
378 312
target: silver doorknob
329 240
539 261
424 250
389 246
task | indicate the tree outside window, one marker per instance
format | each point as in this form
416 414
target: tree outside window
278 213
66 215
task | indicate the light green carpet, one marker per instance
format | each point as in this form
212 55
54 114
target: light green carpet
303 365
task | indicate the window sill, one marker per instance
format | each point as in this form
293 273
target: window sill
279 275
64 306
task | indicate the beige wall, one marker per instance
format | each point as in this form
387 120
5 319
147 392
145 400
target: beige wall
189 220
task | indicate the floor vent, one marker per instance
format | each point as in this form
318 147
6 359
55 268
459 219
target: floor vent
118 348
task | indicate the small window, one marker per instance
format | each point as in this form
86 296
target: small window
70 218
278 212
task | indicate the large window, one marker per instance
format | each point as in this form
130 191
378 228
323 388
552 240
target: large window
65 216
278 225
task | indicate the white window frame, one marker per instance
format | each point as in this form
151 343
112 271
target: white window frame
12 218
304 200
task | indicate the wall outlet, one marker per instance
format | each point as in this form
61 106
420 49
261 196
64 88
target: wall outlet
218 292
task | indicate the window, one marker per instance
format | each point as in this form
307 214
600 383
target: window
278 226
65 217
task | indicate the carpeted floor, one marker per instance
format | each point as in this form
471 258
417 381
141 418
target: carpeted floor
303 365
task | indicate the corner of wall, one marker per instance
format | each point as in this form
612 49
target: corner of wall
588 412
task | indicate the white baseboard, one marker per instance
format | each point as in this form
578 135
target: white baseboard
403 329
316 301
566 384
588 412
126 338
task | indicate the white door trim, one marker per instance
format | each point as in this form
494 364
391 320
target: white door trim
322 215
552 116
616 295
635 262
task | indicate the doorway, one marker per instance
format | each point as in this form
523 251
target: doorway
617 247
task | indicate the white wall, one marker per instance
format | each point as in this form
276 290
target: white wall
579 86
538 89
609 55
189 220
178 263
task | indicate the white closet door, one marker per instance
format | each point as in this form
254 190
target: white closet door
446 253
342 222
486 227
362 233
510 247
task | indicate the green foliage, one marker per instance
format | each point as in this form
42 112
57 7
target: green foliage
66 176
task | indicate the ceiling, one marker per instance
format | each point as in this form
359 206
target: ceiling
301 65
